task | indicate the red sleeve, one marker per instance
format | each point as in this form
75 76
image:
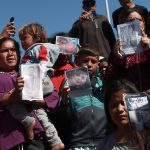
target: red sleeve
43 53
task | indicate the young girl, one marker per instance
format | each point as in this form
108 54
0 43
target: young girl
122 136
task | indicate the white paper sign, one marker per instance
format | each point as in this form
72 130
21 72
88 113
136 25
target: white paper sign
32 75
130 36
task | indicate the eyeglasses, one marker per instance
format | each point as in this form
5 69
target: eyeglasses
135 19
7 49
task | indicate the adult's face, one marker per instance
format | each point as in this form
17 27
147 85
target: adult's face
136 16
8 56
117 110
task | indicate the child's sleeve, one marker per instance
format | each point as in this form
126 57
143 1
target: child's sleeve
47 55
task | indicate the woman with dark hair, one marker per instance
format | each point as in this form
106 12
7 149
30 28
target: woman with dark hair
16 49
129 12
121 136
12 133
133 67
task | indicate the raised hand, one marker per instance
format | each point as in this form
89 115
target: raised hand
117 49
8 30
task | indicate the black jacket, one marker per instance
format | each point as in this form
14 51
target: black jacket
96 33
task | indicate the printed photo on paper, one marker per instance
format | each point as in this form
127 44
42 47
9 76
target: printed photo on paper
79 81
130 35
67 45
138 106
32 75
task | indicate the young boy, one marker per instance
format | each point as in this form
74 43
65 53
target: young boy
33 40
87 121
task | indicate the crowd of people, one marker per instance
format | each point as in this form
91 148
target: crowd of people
95 121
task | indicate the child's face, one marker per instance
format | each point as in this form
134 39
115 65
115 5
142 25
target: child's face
90 61
27 40
117 109
79 80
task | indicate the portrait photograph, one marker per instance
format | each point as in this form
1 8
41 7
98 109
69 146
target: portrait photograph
130 36
79 81
67 45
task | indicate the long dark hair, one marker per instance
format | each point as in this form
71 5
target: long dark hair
136 139
113 87
17 48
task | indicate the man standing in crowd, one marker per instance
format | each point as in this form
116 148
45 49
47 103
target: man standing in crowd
93 29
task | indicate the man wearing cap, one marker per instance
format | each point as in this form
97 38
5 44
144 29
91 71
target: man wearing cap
93 29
